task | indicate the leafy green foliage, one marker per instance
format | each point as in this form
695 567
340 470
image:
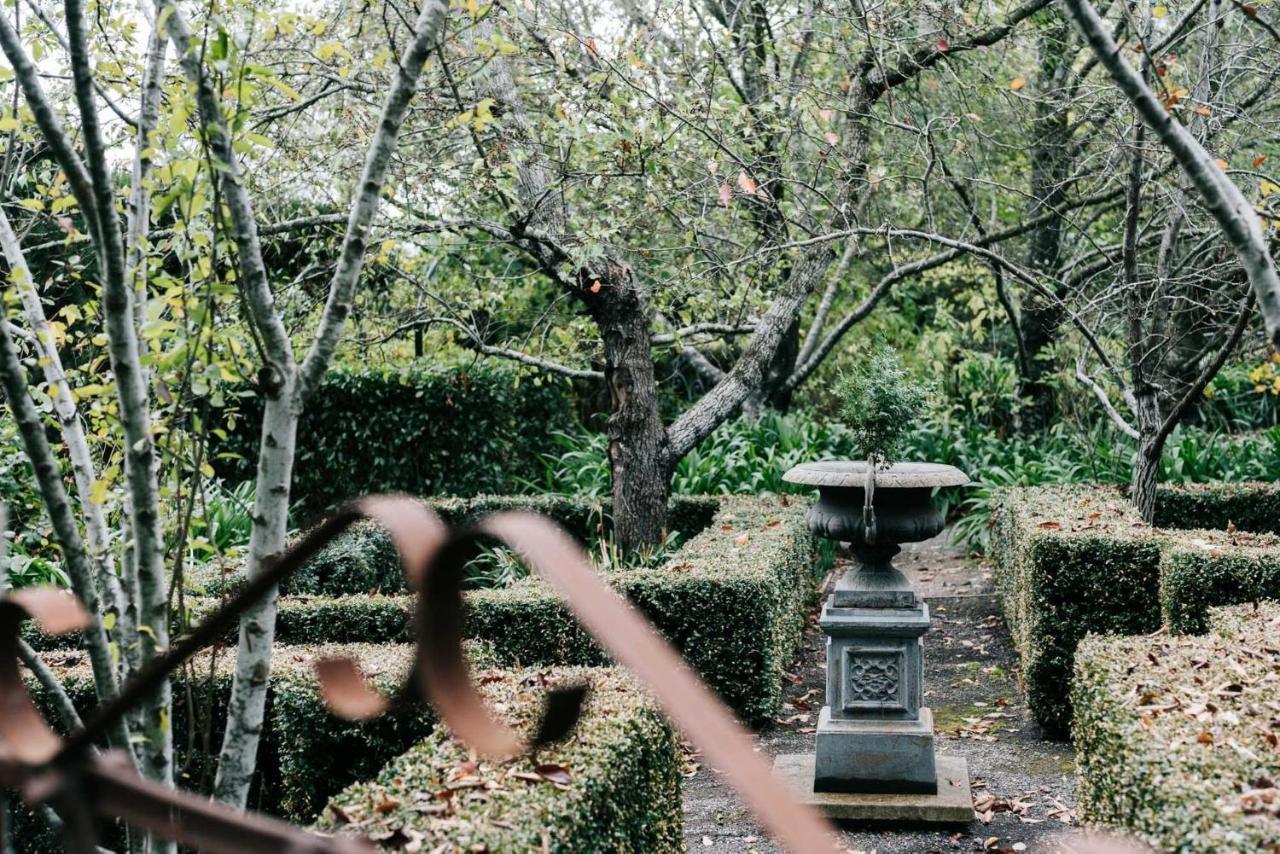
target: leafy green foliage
31 571
880 402
420 428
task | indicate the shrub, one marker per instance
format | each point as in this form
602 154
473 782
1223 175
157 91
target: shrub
1194 578
306 754
422 428
733 598
1176 737
880 402
1247 506
1074 560
613 785
363 560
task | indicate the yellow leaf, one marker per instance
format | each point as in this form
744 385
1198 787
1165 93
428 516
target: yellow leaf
9 123
98 492
109 621
1017 83
32 204
1159 11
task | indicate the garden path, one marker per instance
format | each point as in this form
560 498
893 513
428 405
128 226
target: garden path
1022 784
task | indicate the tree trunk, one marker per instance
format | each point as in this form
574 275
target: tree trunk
1146 474
640 462
1042 318
258 625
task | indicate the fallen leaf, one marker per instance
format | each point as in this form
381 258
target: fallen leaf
554 773
389 805
1017 83
944 45
747 183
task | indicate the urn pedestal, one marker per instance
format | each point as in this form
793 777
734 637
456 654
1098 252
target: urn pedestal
874 755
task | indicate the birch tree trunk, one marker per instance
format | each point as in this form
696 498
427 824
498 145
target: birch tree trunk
97 532
94 189
49 478
283 382
247 704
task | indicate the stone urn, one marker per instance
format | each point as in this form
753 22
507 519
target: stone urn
901 510
874 736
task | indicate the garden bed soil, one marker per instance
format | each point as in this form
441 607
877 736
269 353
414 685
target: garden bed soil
1023 784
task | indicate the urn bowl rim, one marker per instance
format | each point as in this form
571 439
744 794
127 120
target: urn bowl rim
853 473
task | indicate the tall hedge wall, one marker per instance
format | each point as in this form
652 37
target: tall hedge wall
612 786
733 598
1180 750
421 428
1077 559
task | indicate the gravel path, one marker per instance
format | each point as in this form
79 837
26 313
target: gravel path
1022 783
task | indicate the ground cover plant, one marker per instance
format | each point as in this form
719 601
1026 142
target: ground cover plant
1181 751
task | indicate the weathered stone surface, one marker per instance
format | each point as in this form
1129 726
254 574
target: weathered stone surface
853 473
952 804
871 755
874 661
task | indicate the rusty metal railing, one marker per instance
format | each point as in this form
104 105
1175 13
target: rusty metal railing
86 787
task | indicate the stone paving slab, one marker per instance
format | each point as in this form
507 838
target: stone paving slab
953 804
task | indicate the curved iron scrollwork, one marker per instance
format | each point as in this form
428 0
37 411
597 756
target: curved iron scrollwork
87 785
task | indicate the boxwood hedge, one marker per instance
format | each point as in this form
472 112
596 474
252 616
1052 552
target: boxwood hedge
733 598
1176 736
612 786
307 754
424 428
1071 560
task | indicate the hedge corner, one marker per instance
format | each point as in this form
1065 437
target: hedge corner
1176 736
1074 560
613 785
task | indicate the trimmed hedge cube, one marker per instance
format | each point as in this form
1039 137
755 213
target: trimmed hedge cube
733 599
1197 577
612 786
1253 507
1072 560
1176 737
306 752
